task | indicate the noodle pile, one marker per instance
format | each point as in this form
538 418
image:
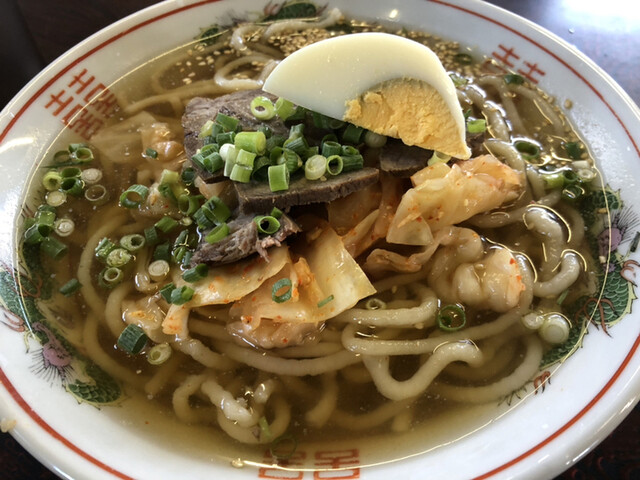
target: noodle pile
387 354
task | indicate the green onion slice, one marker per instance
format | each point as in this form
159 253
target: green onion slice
513 79
132 339
267 224
53 248
151 153
284 108
160 353
166 224
133 242
218 233
278 177
133 196
52 181
262 108
283 283
324 301
71 287
528 150
180 296
476 125
110 277
283 447
196 273
334 164
451 318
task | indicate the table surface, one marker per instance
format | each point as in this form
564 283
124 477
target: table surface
605 31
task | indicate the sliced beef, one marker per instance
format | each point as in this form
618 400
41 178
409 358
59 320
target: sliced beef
258 197
236 105
475 141
242 241
402 160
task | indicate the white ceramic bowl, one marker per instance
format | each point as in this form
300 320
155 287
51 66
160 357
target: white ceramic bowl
589 395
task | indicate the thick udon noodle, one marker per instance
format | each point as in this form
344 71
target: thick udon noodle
374 364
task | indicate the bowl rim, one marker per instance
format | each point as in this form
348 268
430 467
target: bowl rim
623 405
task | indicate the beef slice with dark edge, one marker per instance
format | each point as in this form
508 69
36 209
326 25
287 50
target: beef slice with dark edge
238 105
402 160
243 240
258 197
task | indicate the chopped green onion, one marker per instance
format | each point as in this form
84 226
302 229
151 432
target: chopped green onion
91 175
284 108
477 125
241 173
83 155
334 164
555 329
315 167
96 194
586 175
562 297
104 247
278 286
513 79
299 145
278 177
71 287
276 213
324 301
245 158
458 80
36 234
158 270
226 137
553 180
71 172
349 150
438 157
352 162
283 447
228 123
206 129
165 292
264 428
375 304
118 257
267 224
574 150
570 177
52 181
151 236
291 159
133 196
260 168
228 152
160 353
72 186
110 277
151 153
133 242
162 252
330 148
189 204
296 131
56 198
451 318
218 208
53 248
374 140
275 141
62 156
254 142
64 227
180 296
188 176
528 150
352 134
132 339
196 273
166 224
262 108
572 193
217 233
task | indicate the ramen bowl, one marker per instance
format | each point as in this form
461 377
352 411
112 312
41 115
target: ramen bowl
81 424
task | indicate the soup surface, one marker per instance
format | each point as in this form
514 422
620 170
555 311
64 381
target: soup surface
198 255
